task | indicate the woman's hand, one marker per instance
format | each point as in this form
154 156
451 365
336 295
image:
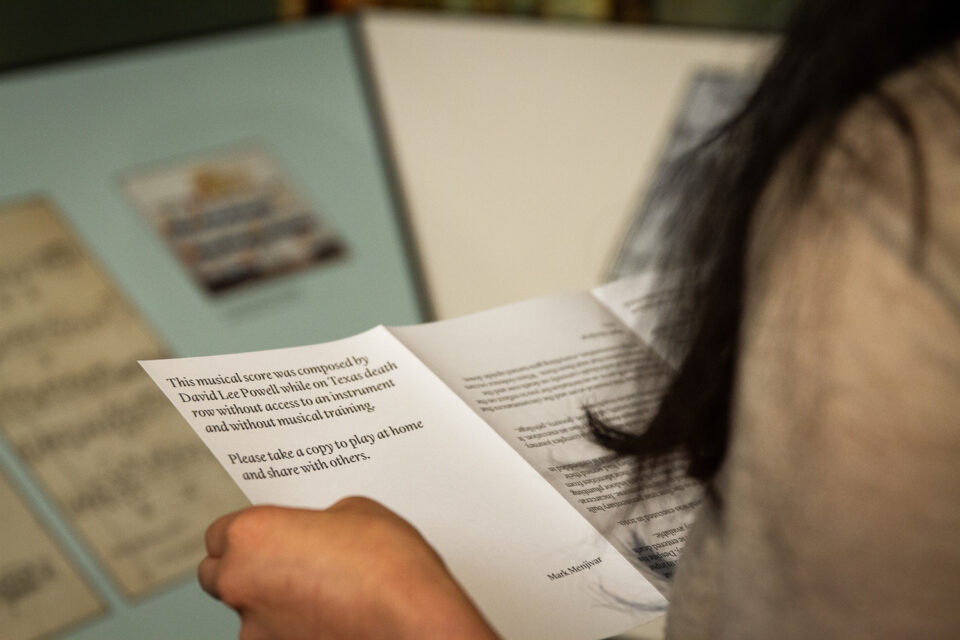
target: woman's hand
356 570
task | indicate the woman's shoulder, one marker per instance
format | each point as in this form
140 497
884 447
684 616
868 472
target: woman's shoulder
839 488
895 164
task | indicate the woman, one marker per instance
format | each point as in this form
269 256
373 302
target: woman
818 401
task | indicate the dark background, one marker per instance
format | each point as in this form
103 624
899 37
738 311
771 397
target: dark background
40 31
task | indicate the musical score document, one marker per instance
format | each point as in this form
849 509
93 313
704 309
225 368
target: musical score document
129 478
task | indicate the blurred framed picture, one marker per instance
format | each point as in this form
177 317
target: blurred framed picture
233 218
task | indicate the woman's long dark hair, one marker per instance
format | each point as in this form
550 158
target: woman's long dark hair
833 53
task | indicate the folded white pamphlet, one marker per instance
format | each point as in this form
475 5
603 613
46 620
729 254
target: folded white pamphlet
474 430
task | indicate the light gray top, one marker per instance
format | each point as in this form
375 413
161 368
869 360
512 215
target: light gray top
840 510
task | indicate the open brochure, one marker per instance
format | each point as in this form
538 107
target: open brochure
474 430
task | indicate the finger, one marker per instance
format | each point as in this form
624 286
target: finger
251 628
216 536
357 504
207 573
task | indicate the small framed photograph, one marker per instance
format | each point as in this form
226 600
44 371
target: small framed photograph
233 218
